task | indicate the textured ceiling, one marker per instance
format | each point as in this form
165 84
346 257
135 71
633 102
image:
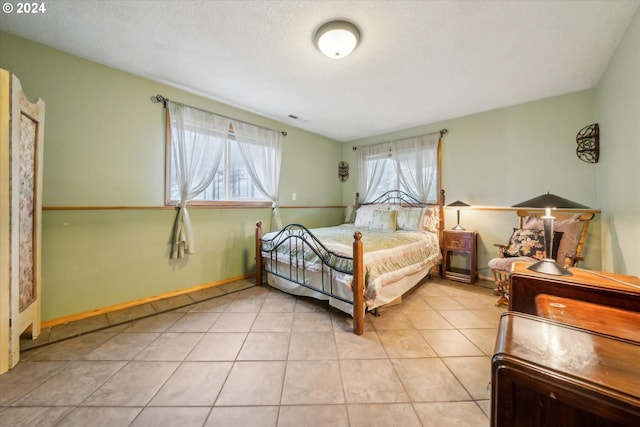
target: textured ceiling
418 62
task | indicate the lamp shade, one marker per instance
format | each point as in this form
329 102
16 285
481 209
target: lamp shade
458 203
550 201
337 39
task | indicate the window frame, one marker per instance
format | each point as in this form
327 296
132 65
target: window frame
168 201
392 159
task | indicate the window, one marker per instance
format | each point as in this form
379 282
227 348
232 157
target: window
216 160
231 183
410 165
205 144
388 175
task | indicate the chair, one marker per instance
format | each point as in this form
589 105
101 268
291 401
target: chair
527 244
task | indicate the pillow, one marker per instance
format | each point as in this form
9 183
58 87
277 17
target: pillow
350 215
569 228
431 220
530 243
384 220
555 244
364 215
410 219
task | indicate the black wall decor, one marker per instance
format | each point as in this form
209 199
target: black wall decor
343 171
588 140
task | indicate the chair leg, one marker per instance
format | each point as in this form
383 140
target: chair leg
502 286
504 296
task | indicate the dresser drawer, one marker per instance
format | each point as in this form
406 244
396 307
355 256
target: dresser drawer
453 240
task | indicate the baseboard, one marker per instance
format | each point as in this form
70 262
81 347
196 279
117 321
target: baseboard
129 304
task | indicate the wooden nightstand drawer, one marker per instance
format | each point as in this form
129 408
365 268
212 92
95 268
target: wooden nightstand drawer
453 240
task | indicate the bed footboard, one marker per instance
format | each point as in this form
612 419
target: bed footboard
298 245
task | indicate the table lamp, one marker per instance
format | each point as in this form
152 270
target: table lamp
458 204
547 202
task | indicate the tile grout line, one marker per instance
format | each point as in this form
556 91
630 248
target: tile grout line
112 325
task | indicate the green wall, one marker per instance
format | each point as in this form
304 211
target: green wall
104 146
618 177
502 157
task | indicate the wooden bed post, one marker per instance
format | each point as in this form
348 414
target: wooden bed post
441 203
358 285
259 253
440 229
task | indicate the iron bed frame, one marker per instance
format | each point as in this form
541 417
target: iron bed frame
301 240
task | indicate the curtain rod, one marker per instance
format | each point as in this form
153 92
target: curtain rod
161 99
442 133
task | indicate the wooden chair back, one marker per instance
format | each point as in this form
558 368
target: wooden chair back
584 218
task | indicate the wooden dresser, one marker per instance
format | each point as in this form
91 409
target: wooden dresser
616 290
546 373
568 351
598 301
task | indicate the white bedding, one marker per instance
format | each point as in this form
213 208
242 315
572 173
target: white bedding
393 262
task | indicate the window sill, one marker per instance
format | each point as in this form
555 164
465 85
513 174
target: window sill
224 204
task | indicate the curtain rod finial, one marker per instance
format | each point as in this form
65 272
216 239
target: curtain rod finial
159 99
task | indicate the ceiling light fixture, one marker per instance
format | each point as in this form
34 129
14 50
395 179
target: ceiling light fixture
337 39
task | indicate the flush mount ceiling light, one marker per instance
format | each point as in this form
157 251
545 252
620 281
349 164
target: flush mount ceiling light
337 39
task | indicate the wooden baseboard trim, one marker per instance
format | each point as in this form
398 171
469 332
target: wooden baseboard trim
129 304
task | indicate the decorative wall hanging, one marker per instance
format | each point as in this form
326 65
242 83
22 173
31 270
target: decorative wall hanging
588 140
343 171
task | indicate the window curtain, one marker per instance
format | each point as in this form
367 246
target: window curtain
261 150
197 145
371 161
415 167
416 161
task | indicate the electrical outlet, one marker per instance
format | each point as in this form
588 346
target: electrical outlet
293 196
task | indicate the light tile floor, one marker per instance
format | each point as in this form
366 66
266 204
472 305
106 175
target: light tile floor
259 357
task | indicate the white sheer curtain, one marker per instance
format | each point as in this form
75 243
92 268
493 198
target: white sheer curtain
261 150
371 162
197 144
416 162
410 165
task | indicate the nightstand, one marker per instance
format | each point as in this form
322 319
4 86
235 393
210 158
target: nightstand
460 242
